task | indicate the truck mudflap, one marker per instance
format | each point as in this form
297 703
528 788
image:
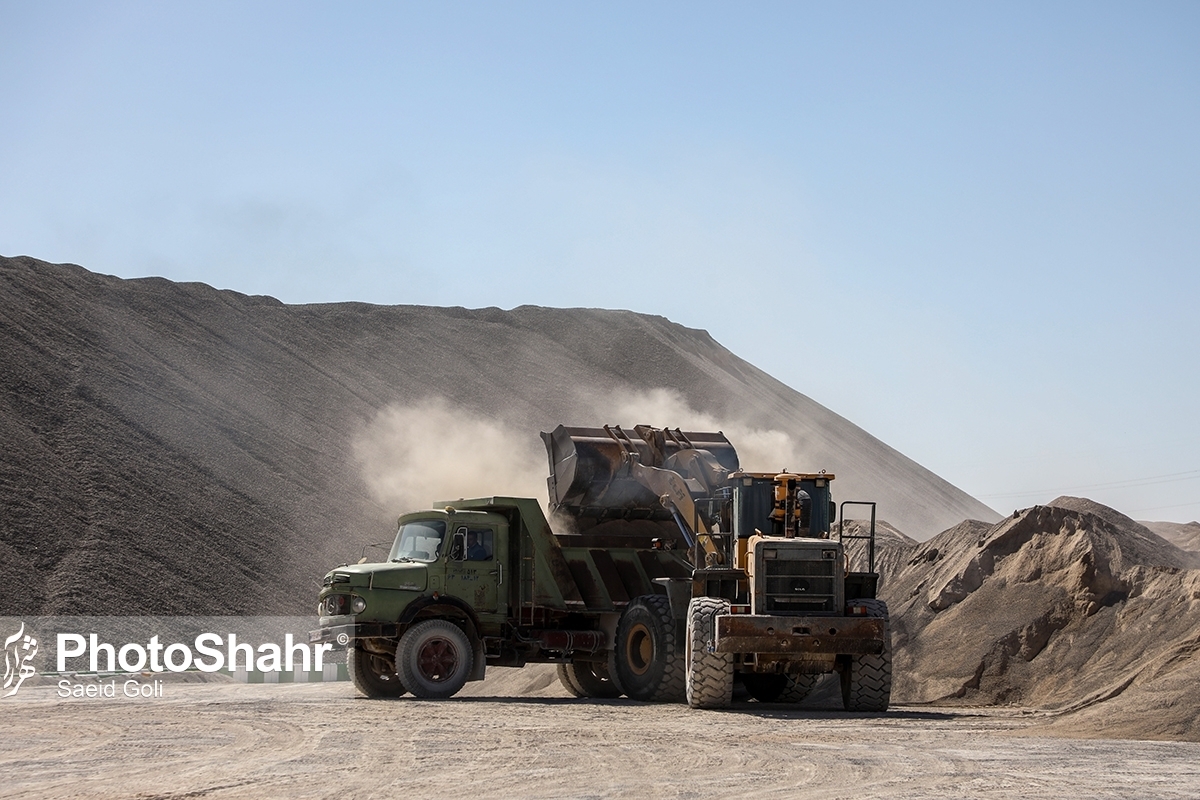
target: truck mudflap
343 635
758 633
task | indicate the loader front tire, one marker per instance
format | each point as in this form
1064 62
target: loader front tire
709 673
647 662
867 679
764 687
779 688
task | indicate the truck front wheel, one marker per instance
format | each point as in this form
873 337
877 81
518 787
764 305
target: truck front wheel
373 674
647 661
434 659
709 673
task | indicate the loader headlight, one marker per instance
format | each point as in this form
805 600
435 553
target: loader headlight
358 605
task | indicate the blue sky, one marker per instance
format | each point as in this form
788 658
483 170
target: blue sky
988 214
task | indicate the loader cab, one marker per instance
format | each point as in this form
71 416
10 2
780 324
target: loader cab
785 504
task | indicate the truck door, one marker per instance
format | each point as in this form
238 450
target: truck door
476 571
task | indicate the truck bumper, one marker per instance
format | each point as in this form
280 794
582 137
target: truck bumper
342 635
757 633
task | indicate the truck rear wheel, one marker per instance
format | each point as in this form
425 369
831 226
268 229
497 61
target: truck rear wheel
709 673
372 674
434 659
584 679
867 679
646 655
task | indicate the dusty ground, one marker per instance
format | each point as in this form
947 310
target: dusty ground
319 740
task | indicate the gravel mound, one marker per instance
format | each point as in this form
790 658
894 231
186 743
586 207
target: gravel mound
1184 535
1070 606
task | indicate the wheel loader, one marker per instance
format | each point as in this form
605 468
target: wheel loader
671 574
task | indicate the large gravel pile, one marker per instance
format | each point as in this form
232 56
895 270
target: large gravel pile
172 448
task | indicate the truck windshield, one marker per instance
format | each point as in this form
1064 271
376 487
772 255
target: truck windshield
419 541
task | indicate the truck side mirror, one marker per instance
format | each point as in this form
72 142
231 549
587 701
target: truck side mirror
458 547
832 511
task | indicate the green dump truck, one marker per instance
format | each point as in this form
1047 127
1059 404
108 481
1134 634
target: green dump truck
671 574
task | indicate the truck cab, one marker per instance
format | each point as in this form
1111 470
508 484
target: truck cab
445 565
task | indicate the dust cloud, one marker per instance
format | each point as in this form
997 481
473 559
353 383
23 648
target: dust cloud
414 455
758 449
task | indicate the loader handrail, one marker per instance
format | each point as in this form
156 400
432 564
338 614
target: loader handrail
870 537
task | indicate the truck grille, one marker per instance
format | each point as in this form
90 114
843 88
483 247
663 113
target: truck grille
794 587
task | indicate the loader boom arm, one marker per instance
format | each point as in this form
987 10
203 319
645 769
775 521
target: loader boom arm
674 495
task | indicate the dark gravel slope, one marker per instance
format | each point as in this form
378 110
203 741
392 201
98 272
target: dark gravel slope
175 449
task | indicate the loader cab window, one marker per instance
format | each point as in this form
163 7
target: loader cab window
803 513
419 541
472 544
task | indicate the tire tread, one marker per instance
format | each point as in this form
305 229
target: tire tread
868 686
709 674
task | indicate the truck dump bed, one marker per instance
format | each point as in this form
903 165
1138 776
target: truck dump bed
580 576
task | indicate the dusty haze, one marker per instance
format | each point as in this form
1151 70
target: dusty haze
412 455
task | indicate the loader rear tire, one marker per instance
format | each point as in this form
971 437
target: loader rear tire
867 679
372 674
764 687
709 673
584 679
647 662
778 688
798 687
434 659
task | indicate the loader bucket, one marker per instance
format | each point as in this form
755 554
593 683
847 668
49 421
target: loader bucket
590 474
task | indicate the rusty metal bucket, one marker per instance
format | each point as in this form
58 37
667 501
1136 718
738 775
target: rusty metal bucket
590 474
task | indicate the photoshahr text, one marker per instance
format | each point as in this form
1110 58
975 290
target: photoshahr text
210 652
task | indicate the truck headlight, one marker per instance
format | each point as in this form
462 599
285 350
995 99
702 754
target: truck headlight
336 605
